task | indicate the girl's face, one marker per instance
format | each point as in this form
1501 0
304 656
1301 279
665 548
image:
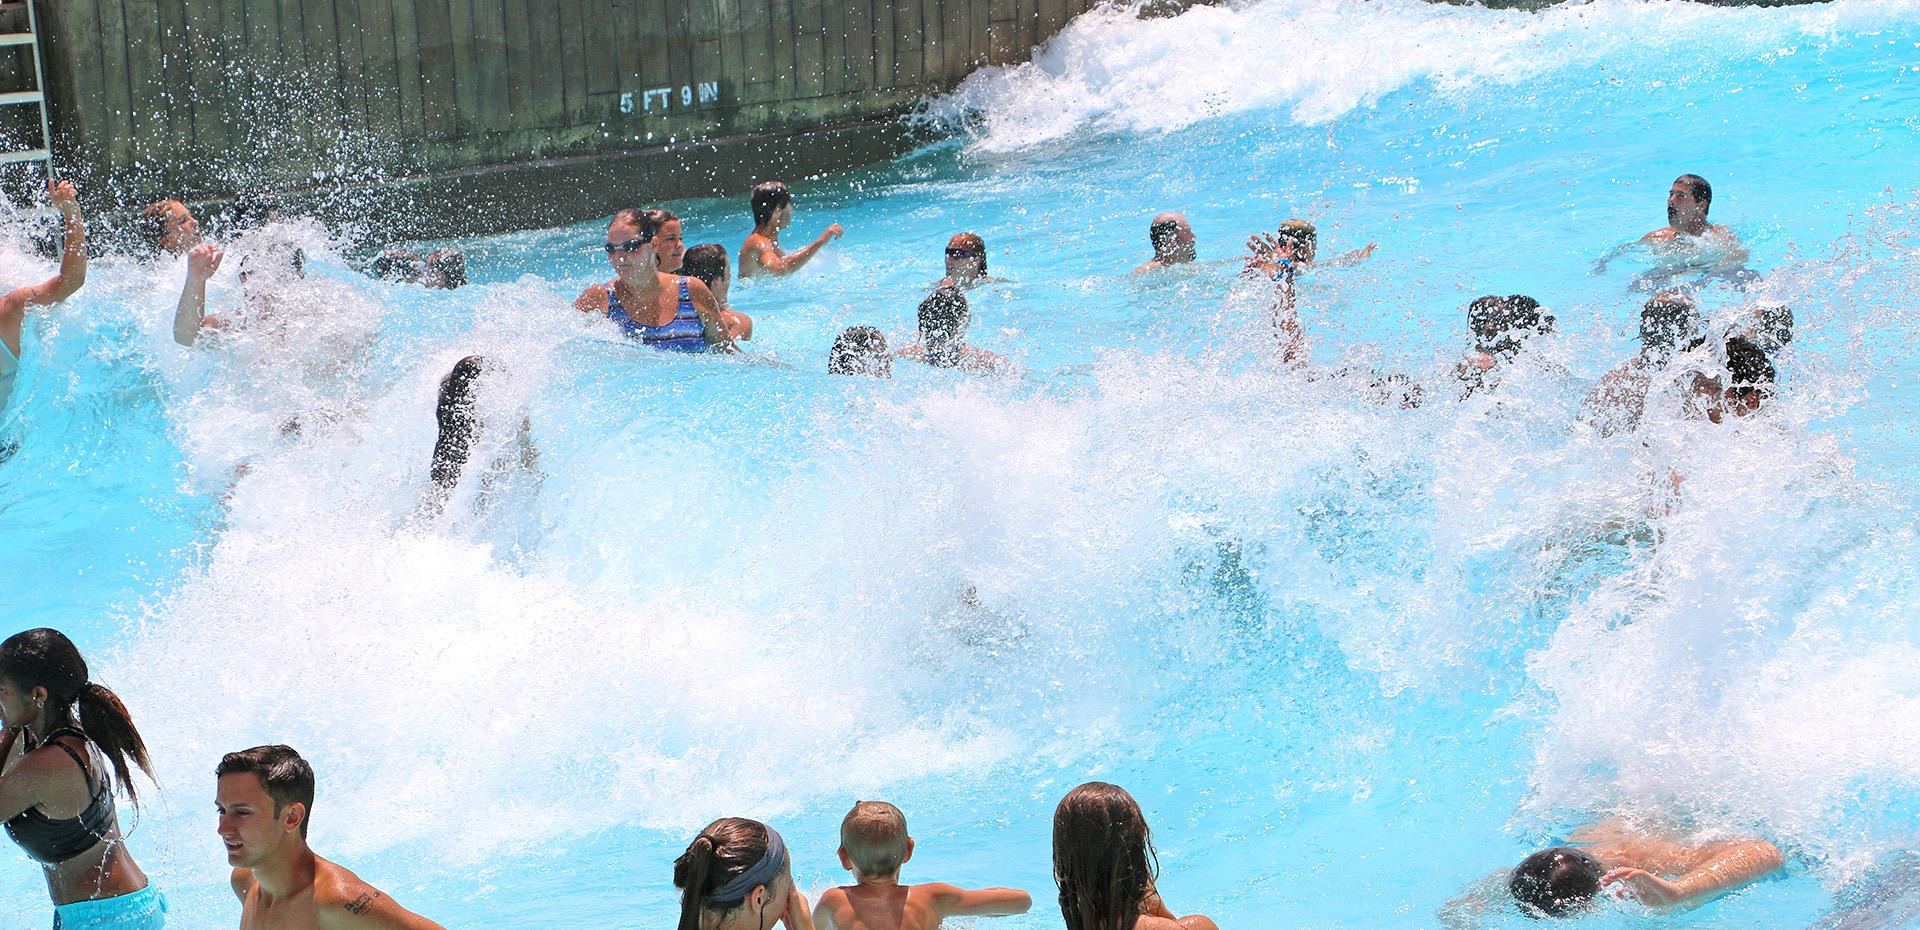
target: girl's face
625 250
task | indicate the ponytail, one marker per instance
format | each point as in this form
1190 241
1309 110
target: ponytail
693 874
108 725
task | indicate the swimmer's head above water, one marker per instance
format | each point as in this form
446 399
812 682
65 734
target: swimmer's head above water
861 350
1557 882
944 317
1687 203
772 205
1103 856
709 264
1304 238
737 872
1667 322
1740 388
169 227
633 240
1501 325
265 799
1172 239
966 259
874 841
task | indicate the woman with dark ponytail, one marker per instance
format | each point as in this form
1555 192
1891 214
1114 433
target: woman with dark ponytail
63 734
735 876
1104 863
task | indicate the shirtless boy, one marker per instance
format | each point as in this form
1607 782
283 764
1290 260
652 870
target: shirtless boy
873 845
264 799
773 211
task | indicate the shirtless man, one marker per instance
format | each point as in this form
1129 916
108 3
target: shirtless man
1172 239
264 799
773 211
1659 871
1667 322
1688 241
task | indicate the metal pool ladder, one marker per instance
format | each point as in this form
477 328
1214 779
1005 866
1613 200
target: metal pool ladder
37 96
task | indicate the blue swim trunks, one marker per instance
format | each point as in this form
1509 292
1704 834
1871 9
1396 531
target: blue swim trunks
143 910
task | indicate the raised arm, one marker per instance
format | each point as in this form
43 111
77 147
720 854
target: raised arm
73 259
190 315
1728 866
1274 259
773 261
952 901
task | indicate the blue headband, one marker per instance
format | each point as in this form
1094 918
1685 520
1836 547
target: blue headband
760 873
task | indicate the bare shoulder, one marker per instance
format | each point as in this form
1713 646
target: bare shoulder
592 300
242 880
1194 922
698 289
344 901
1663 234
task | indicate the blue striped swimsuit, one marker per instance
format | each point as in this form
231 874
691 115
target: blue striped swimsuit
683 333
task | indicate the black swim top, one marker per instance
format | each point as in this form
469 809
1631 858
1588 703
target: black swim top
55 841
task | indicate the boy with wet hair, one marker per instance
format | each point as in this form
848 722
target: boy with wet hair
772 206
873 846
861 350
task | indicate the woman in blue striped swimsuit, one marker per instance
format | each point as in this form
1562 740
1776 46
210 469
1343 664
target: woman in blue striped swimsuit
669 312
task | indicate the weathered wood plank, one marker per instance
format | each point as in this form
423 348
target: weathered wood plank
439 69
602 51
355 107
573 64
490 49
146 114
377 67
833 41
809 50
466 69
516 35
409 90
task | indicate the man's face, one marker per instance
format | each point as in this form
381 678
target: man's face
783 217
1682 208
248 826
670 245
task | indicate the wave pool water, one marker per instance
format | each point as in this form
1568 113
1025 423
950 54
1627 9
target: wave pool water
1350 658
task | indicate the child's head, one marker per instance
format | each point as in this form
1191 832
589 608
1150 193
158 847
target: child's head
874 841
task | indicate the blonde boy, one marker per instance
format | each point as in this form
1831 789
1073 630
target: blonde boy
873 845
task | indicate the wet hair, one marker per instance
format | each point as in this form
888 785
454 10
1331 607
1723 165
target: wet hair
287 777
874 836
447 269
1748 366
707 262
459 428
46 658
648 221
943 325
397 263
1301 233
976 244
861 350
1164 235
723 851
1702 191
1103 857
151 226
1667 322
252 210
1500 324
768 198
1775 328
1555 882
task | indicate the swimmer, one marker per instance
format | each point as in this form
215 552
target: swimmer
861 350
262 275
1305 238
265 800
443 269
1658 872
1172 239
1501 327
873 846
1667 322
64 735
944 318
446 270
169 227
673 313
1747 383
709 264
63 284
459 431
670 242
966 262
1281 259
773 211
1769 325
1104 862
1688 240
736 875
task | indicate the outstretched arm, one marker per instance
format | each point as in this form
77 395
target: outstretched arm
73 259
191 313
773 261
1731 865
951 901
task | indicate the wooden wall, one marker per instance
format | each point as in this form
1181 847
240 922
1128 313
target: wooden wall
201 98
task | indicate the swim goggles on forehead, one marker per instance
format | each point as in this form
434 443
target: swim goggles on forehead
760 873
631 245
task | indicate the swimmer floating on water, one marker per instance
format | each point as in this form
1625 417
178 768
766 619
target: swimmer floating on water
1173 243
1688 243
265 800
674 313
772 206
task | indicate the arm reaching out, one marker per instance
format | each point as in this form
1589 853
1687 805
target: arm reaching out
73 259
952 901
190 315
776 263
1731 865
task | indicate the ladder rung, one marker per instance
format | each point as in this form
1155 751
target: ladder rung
25 96
8 158
16 38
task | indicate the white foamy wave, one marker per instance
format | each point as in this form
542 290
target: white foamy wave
1317 60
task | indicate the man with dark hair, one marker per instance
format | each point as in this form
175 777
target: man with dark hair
1746 384
944 318
1667 322
1688 242
1301 239
861 350
1173 243
264 799
1501 327
772 206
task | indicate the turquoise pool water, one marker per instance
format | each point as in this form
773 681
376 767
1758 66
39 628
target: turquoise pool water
1349 658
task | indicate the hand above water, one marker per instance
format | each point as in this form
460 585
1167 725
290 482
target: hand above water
833 232
203 261
64 198
797 917
1643 886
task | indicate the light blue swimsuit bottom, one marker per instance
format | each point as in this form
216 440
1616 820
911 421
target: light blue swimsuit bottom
143 910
